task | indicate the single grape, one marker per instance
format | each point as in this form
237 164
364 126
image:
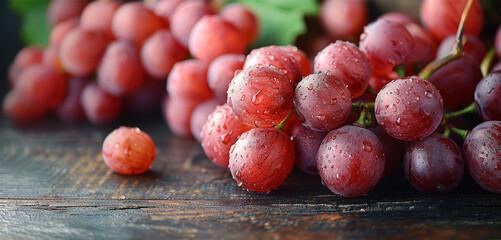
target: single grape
243 19
135 23
261 159
59 31
345 61
120 72
81 52
387 45
394 150
434 164
306 143
128 151
472 46
219 133
159 54
301 59
146 101
322 101
165 8
220 73
399 17
488 96
424 51
20 111
100 107
335 13
51 57
28 56
60 10
482 151
188 79
350 161
456 82
260 96
200 115
277 57
220 35
70 110
98 16
409 109
186 16
41 85
177 113
442 17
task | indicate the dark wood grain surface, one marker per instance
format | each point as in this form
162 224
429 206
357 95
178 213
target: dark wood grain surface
55 185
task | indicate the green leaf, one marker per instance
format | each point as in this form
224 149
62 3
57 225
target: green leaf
34 30
281 21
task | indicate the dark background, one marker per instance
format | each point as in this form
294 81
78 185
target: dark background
10 42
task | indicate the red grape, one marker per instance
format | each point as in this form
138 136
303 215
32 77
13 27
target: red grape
186 16
212 36
394 150
456 82
28 56
306 142
60 10
442 17
350 161
219 133
345 61
177 113
71 110
20 111
221 71
81 51
409 109
120 72
434 164
482 151
129 151
59 31
399 17
387 45
51 57
472 47
301 59
425 49
159 54
243 19
488 96
41 85
135 23
98 16
344 18
322 101
497 42
188 79
147 99
277 57
260 96
378 81
199 117
165 8
261 159
100 107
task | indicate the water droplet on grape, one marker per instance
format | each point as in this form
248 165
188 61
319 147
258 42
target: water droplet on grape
257 98
257 123
321 117
402 122
428 94
367 146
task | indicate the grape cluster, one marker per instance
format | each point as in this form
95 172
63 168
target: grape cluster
110 57
350 113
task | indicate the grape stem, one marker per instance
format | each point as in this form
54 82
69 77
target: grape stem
281 125
472 108
371 91
365 119
455 54
400 70
359 107
461 132
489 58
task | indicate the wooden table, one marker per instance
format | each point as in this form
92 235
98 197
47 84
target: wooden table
55 185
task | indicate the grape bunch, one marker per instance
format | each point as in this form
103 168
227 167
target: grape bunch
376 97
106 58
